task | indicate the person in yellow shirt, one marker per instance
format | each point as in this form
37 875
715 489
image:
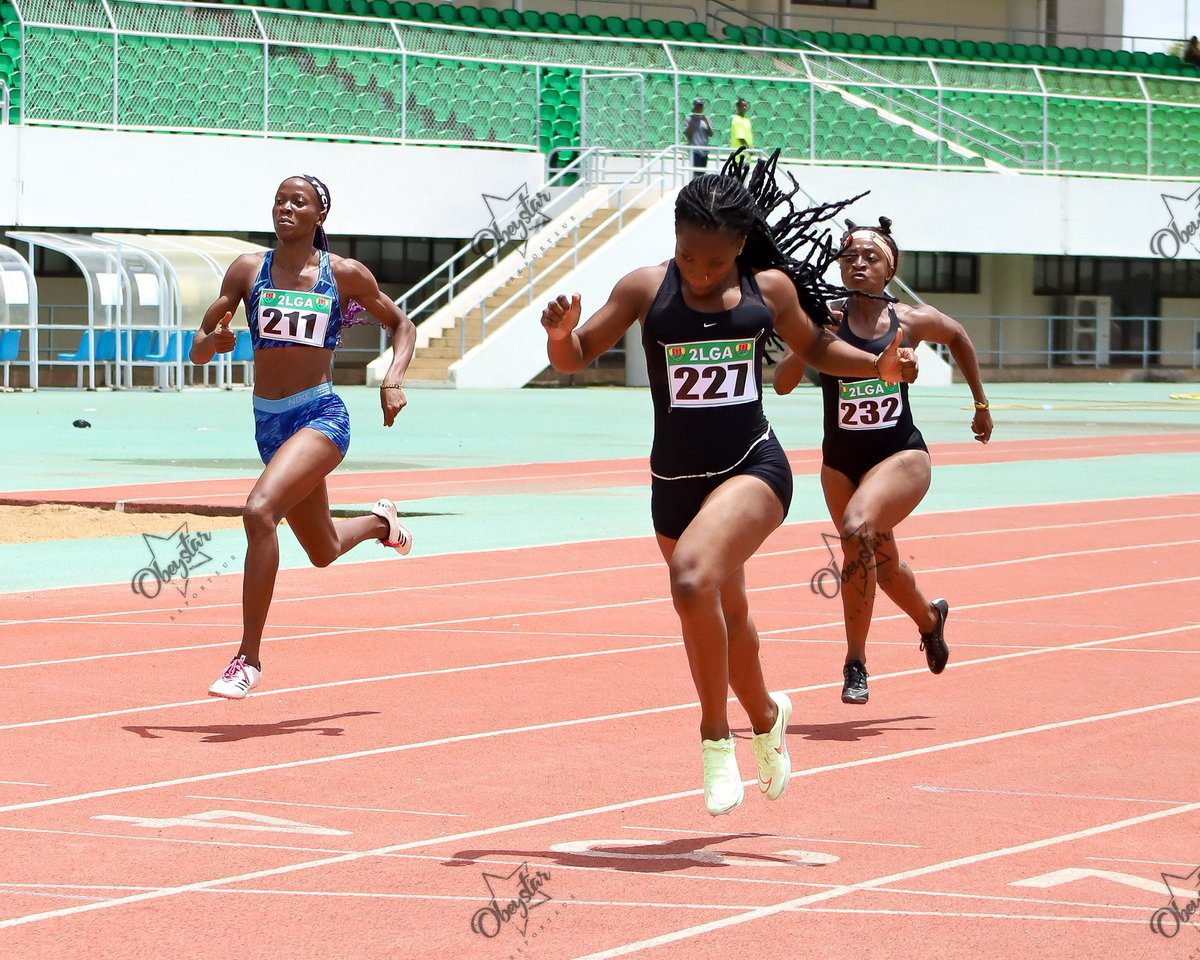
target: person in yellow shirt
741 132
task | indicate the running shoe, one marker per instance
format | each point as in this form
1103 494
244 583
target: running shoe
771 752
238 680
936 651
398 536
854 690
722 781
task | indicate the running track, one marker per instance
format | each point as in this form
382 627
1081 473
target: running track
436 719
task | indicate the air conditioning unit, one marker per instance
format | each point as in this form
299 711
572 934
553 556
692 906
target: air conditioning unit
1089 330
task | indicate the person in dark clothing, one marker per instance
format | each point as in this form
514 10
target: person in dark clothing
698 130
720 480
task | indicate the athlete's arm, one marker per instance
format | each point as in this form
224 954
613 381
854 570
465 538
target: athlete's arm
356 282
819 348
214 335
571 350
788 373
930 324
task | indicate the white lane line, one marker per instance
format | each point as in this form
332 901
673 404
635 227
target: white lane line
467 668
575 901
1156 863
1055 796
23 783
643 802
954 915
325 806
991 896
781 836
549 574
677 936
441 859
349 631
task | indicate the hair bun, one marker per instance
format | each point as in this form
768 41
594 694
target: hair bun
885 225
851 226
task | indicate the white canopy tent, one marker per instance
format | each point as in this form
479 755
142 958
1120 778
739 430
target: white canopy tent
18 312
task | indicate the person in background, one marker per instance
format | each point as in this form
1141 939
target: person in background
1191 52
741 131
698 130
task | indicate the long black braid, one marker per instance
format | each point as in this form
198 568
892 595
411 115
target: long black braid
742 198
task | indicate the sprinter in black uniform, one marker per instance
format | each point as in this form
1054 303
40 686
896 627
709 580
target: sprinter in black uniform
720 482
876 465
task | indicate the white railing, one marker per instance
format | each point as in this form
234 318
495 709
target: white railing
387 58
1043 340
460 270
627 193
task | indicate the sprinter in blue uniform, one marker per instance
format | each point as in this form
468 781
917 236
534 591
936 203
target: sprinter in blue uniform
297 298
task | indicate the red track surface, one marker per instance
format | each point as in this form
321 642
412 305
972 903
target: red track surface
445 717
532 478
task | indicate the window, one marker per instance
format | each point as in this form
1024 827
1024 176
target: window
1128 281
941 272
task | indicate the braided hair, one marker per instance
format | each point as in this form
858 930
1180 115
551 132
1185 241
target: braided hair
741 199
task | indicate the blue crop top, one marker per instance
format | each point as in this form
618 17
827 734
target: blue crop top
284 318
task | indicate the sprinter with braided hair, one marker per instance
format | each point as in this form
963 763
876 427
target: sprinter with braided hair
876 467
721 482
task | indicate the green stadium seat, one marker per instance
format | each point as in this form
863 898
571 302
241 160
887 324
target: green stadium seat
490 17
532 19
552 22
593 24
733 34
572 23
697 31
839 41
656 29
859 43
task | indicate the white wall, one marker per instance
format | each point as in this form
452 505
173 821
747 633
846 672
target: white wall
52 177
997 213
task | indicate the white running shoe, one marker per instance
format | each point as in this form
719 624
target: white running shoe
722 781
238 680
398 536
771 752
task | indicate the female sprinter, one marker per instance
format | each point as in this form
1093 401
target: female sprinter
876 465
720 480
294 297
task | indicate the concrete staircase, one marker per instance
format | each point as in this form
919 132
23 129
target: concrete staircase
431 364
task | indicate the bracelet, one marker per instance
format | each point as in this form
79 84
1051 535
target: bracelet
391 386
981 406
877 356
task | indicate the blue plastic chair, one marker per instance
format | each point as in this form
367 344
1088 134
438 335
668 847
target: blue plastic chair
102 346
10 349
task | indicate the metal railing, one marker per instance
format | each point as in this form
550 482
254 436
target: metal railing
460 270
1047 340
621 198
4 102
724 14
292 53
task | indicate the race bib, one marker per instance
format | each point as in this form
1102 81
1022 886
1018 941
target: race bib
712 373
294 317
869 404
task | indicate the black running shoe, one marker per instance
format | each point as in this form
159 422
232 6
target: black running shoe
936 651
854 690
